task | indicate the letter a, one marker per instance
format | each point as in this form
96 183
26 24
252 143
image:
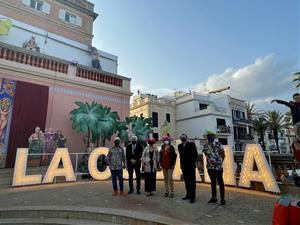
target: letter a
54 170
254 153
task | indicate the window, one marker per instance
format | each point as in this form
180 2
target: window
37 5
70 18
155 119
221 122
168 117
202 106
155 136
223 141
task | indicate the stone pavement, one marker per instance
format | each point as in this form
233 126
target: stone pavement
242 206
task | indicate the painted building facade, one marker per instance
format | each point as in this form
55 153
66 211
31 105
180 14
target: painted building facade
46 81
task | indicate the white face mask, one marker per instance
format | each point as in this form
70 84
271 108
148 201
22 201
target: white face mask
166 142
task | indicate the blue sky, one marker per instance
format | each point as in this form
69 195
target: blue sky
174 44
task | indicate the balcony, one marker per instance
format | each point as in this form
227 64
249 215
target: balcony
225 130
240 120
45 62
243 137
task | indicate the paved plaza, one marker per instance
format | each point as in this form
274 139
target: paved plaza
242 206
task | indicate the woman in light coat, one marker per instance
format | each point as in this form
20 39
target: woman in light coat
150 164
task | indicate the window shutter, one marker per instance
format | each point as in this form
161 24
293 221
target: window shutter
26 2
62 14
78 21
46 8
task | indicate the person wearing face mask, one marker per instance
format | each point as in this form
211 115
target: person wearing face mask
150 164
167 163
188 157
215 156
116 161
134 153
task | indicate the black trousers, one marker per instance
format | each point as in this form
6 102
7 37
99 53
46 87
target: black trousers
150 181
137 169
189 176
217 175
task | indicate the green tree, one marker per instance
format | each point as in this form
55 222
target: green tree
260 126
84 119
297 79
275 120
251 111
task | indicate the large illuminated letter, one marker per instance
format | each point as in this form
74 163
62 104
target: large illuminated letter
20 178
95 173
228 167
54 170
254 153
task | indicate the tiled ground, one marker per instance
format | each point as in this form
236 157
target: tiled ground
243 206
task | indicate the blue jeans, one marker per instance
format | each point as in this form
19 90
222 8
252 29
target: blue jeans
114 175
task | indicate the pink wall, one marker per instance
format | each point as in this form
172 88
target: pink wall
62 96
60 104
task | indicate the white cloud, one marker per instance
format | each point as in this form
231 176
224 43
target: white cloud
259 82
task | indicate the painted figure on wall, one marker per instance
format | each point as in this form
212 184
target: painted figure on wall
50 145
60 139
36 146
7 89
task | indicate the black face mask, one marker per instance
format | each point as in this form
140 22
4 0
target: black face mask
133 142
183 139
117 144
210 139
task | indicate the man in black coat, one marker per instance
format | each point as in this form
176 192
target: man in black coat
134 152
188 157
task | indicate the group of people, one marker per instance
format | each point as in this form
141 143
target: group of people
151 159
40 142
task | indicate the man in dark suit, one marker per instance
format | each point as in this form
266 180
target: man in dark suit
188 157
134 152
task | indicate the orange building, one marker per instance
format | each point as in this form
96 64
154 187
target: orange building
46 64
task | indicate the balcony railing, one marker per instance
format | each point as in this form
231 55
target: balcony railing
243 137
39 60
223 129
98 76
242 120
26 57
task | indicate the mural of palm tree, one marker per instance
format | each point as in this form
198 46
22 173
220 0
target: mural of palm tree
275 120
141 127
84 119
106 125
297 79
260 126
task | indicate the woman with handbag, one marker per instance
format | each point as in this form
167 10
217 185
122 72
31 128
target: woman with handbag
150 162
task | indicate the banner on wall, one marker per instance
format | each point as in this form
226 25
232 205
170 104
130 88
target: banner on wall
7 91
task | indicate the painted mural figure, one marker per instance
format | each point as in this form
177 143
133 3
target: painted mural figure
36 145
50 145
4 111
167 162
215 155
60 139
150 164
